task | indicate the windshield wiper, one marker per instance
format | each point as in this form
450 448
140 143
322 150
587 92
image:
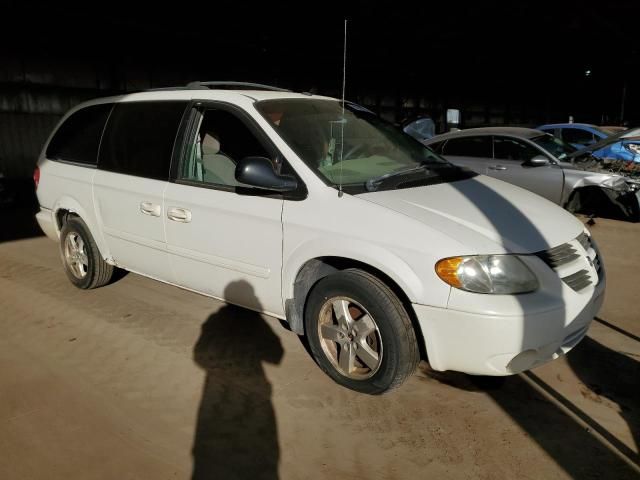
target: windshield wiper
373 183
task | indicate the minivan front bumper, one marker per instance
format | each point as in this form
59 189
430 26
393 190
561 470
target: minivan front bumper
497 345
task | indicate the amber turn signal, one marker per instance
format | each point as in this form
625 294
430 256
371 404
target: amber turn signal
447 270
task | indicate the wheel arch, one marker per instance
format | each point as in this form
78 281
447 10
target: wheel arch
68 206
314 269
603 202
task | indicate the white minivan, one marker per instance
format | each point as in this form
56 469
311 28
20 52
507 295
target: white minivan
319 213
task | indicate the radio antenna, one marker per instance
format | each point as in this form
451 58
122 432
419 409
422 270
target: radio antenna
342 120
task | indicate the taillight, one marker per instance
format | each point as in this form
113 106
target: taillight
36 176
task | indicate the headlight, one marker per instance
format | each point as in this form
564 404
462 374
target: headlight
499 274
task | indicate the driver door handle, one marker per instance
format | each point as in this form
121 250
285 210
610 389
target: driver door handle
177 214
497 167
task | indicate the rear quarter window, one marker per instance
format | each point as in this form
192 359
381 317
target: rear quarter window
78 138
139 138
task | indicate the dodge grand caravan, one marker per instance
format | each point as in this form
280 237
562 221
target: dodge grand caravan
362 239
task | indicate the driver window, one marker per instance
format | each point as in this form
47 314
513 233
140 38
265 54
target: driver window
505 148
221 142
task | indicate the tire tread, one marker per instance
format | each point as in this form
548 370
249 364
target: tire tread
100 272
389 301
392 298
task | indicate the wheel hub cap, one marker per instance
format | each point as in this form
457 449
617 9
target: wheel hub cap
350 338
75 255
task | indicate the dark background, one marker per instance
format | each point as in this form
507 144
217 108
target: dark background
498 62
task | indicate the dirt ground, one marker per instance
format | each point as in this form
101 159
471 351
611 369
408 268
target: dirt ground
140 380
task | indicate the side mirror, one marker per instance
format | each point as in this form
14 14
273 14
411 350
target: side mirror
258 172
538 161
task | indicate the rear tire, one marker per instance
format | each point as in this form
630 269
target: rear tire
360 333
81 258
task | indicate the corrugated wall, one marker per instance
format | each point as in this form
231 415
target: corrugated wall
28 113
21 138
35 92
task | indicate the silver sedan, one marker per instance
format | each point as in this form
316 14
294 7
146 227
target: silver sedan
544 165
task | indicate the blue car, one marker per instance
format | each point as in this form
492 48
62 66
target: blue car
603 143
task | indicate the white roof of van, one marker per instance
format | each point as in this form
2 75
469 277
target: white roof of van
206 94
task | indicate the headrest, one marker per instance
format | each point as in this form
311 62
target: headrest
210 145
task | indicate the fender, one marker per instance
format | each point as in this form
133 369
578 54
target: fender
576 179
382 259
71 204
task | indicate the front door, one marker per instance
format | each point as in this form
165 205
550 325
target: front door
224 240
510 164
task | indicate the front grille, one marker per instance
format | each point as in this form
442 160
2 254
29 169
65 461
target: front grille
565 253
597 265
558 256
584 240
579 280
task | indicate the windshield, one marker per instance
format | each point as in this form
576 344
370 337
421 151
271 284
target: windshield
353 149
554 146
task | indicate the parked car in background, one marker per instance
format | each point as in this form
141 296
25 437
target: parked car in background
322 214
621 147
421 128
582 135
544 165
577 134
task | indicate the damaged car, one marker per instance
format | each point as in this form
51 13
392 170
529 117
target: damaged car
605 143
545 165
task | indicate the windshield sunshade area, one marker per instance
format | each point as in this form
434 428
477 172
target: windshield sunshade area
353 147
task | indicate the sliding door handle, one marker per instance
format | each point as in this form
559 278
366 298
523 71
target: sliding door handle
181 215
149 208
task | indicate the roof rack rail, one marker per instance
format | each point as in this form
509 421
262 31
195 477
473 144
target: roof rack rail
234 86
166 89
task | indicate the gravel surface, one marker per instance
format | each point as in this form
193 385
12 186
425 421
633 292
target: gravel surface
141 380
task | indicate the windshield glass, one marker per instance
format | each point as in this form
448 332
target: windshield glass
554 146
353 149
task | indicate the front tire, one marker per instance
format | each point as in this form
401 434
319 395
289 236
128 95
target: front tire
81 258
360 333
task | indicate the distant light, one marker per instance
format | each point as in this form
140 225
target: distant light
587 73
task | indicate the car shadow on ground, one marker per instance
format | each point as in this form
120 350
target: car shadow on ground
550 419
236 434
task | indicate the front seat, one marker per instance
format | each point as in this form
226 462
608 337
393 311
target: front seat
218 168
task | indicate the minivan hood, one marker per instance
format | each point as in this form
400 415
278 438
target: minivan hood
484 214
